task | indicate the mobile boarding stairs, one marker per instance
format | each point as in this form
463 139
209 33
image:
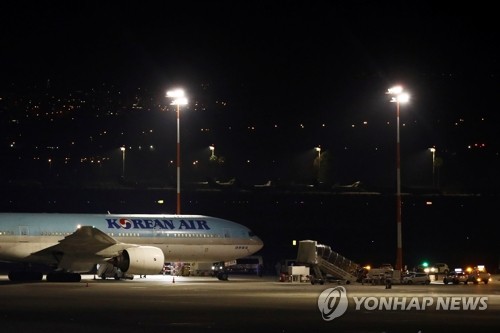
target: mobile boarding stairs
321 259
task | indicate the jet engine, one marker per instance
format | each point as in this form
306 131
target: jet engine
140 260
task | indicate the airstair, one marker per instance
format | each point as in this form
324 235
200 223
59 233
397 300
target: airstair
322 259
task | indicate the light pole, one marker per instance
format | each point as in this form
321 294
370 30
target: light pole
398 97
433 151
318 149
123 161
212 149
178 99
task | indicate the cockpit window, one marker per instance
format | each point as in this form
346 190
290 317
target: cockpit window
251 234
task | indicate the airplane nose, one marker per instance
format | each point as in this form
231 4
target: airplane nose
259 244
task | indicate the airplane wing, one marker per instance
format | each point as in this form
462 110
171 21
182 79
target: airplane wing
84 240
82 249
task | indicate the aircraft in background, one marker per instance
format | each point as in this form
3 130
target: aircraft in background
265 185
230 182
211 183
355 188
355 185
72 244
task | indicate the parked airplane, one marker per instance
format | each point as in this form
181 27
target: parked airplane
265 185
355 188
355 185
216 184
71 244
230 182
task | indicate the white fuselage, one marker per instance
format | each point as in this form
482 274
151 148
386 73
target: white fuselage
46 238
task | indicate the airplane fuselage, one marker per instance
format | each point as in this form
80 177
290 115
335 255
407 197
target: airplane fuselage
75 242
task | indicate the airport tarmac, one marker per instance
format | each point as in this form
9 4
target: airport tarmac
163 303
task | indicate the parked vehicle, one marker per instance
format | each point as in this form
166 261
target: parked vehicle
416 278
456 277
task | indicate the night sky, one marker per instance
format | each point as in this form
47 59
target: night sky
307 53
274 60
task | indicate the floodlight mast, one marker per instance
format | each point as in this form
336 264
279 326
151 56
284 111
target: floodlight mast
398 98
178 99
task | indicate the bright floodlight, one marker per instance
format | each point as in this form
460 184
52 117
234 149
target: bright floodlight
395 90
318 149
179 101
175 93
401 98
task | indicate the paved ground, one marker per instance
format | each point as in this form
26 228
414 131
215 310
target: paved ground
243 304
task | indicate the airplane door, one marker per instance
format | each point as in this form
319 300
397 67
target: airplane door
226 236
157 235
24 232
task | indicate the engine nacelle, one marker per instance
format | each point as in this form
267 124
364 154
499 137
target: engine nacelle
140 260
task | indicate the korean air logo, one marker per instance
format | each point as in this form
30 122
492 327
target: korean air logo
125 224
332 303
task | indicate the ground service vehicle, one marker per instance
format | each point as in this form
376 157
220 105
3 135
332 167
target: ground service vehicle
246 265
478 274
378 275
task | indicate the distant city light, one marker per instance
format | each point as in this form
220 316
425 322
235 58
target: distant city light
91 145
